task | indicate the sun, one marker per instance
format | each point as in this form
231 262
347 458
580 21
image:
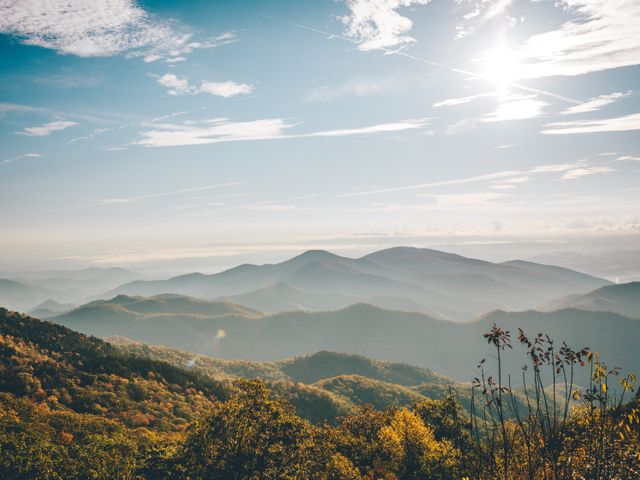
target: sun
500 66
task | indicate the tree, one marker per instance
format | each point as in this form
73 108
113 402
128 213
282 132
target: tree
414 450
249 436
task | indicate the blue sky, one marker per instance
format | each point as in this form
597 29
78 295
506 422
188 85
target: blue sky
170 136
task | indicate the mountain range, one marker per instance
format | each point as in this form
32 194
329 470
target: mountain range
230 331
623 299
163 388
436 283
26 290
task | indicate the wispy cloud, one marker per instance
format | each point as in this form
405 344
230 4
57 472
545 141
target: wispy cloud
511 183
462 100
616 124
48 128
596 103
19 157
586 171
495 176
220 130
66 79
483 11
96 29
444 183
376 24
17 107
516 107
460 126
603 34
177 85
121 200
463 199
628 158
361 87
93 134
213 131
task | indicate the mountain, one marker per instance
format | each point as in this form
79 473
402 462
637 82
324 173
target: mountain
163 389
76 285
282 297
22 296
430 281
68 371
330 381
618 265
50 308
623 299
176 320
412 338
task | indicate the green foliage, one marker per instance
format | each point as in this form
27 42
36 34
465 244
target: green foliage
248 436
38 443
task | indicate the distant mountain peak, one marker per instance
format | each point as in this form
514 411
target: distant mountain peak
316 255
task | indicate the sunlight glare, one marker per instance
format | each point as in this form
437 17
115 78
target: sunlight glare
500 67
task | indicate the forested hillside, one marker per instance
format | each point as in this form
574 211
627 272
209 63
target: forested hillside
74 407
446 347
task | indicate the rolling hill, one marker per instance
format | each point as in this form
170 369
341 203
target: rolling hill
163 389
22 296
69 371
413 338
50 308
452 286
78 284
623 299
336 382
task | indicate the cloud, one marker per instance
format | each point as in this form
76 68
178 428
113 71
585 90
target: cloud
225 89
93 134
18 157
436 202
460 126
501 176
112 201
97 28
220 130
358 88
48 128
375 24
617 124
462 199
585 171
177 85
510 183
596 103
66 80
213 131
460 101
381 128
516 107
482 12
628 158
17 107
603 34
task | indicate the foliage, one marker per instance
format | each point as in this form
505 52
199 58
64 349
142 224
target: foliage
75 407
561 432
68 371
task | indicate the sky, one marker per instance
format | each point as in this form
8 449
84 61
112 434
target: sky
195 135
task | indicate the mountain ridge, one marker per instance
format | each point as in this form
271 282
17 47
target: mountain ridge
456 287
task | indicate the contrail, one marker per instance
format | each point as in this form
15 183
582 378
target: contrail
461 71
